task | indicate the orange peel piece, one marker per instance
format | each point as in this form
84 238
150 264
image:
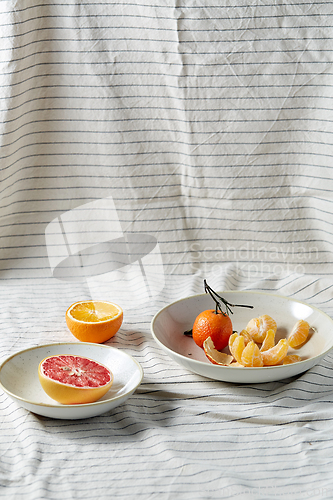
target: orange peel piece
216 357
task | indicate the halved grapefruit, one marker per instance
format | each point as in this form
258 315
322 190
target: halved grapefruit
71 379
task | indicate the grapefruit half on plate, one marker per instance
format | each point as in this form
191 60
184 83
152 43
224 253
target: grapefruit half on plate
70 379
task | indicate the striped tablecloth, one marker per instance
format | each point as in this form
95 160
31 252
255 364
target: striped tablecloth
202 132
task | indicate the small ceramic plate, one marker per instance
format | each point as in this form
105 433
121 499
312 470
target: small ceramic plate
19 379
170 323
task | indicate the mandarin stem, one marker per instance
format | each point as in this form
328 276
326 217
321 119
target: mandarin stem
217 298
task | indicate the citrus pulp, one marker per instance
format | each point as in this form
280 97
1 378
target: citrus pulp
299 334
71 379
94 321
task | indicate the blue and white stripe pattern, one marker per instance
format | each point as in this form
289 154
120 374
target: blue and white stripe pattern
210 127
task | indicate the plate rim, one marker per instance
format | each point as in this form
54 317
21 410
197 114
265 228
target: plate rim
218 368
80 405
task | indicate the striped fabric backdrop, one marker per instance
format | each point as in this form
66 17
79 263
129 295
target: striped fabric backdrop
201 134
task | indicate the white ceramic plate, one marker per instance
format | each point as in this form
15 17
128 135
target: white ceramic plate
19 379
170 323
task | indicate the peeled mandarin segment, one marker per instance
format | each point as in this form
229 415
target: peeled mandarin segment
266 323
246 335
291 358
251 355
299 333
276 354
258 327
269 341
232 338
252 328
215 356
237 346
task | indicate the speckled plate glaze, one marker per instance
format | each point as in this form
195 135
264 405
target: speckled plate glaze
170 323
19 379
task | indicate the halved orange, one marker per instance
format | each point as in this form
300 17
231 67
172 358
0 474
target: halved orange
94 321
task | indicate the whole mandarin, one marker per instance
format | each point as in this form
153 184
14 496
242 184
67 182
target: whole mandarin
216 325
